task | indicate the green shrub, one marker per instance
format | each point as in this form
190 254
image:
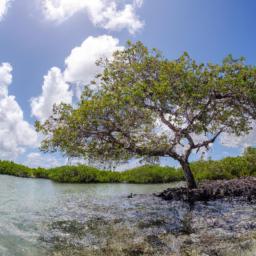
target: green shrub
227 168
108 177
41 173
11 168
250 156
74 174
152 174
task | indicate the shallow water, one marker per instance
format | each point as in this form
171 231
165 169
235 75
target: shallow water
39 217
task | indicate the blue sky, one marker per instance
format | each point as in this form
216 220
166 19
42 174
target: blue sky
37 35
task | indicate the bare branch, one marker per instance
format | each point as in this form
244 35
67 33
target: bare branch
208 142
169 124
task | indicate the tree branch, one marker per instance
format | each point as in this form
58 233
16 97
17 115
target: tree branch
208 142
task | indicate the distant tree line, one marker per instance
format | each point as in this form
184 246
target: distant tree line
227 168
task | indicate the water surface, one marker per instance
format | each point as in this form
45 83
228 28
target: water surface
40 217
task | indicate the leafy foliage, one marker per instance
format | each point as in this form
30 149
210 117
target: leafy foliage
152 174
83 174
149 106
139 88
250 156
11 168
227 168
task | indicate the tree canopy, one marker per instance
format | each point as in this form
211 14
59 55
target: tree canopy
144 105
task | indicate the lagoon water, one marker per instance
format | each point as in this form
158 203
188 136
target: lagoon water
30 210
40 217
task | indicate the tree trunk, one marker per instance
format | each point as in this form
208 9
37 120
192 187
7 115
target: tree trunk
191 183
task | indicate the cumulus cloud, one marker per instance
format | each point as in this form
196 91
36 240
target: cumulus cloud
5 78
108 14
36 159
54 91
4 5
80 69
247 140
15 133
80 64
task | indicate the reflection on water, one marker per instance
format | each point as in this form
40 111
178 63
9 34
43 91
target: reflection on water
39 217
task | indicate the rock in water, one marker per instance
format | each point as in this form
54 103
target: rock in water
212 190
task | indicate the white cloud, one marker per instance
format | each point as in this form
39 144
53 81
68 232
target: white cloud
80 70
4 5
36 159
15 133
233 141
54 91
80 64
107 14
5 78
